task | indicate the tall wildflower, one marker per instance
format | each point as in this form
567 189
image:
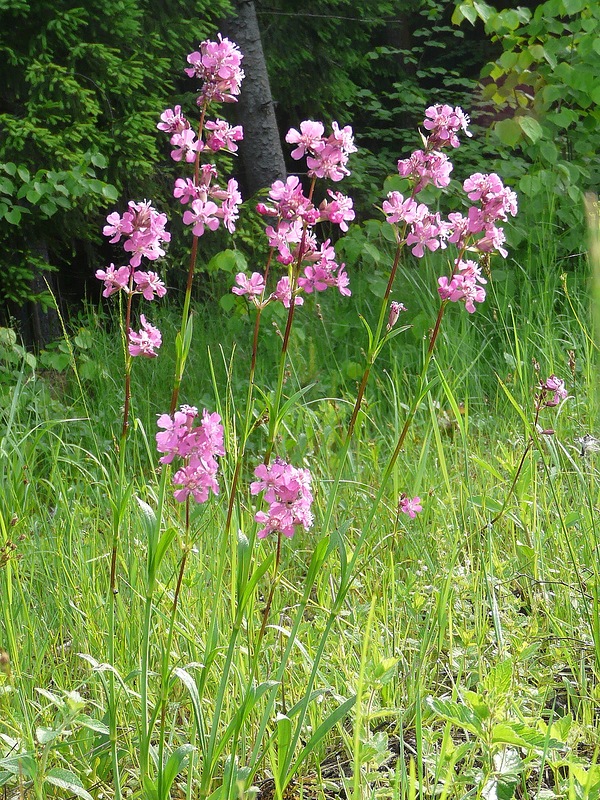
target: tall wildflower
142 231
293 217
476 231
209 203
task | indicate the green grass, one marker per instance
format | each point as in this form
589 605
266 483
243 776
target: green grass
464 659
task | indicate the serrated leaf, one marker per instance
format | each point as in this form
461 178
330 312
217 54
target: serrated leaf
456 713
518 734
64 779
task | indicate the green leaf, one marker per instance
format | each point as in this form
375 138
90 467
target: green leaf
175 763
110 192
468 11
520 735
45 735
92 724
5 777
323 729
530 127
508 131
23 173
98 160
227 261
13 216
456 713
64 779
190 684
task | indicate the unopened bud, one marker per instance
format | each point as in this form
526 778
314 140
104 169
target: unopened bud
395 309
4 662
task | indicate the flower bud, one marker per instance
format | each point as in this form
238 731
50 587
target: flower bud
395 309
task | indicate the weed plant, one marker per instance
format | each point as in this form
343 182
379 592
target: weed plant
434 632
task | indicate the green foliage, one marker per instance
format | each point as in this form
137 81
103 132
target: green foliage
375 66
82 89
544 85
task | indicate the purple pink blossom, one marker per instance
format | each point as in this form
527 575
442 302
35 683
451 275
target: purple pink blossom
554 386
218 66
198 445
287 490
114 279
443 123
146 341
143 229
410 505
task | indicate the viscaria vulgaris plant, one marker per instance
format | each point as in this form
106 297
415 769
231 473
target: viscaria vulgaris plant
300 262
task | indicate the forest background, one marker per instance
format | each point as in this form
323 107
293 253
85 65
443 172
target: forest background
84 85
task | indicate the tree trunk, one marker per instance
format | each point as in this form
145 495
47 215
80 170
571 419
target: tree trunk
39 327
260 150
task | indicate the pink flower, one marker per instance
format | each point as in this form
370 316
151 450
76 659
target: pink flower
339 211
217 64
464 285
114 279
329 162
444 122
395 309
173 121
202 214
397 209
410 505
427 231
283 293
426 167
253 286
223 135
146 341
287 490
186 190
309 138
555 386
199 445
149 284
143 228
186 145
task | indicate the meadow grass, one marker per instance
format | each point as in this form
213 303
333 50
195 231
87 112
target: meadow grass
462 660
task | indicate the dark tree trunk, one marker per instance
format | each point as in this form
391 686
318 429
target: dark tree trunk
39 327
260 150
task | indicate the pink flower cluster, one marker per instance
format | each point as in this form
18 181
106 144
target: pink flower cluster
326 156
443 123
292 233
476 231
198 446
217 65
554 386
464 285
146 342
287 490
143 231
